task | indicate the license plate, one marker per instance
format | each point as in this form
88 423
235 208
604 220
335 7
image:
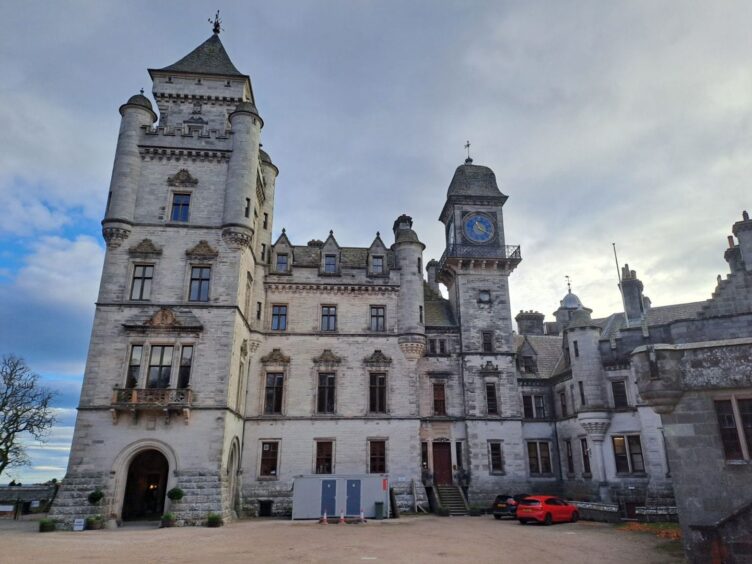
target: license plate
501 505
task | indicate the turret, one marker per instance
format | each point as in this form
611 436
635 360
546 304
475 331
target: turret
743 231
136 113
582 337
631 288
408 252
242 173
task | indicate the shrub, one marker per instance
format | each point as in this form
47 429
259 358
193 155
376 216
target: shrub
46 525
96 496
94 523
176 494
214 520
168 520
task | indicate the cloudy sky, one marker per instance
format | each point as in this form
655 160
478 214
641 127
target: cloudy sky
604 122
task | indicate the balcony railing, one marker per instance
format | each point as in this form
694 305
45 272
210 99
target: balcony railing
142 399
508 253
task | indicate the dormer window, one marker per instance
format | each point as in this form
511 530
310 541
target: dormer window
528 365
330 264
377 264
282 263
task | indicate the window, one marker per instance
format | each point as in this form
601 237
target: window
563 403
420 266
495 458
442 346
239 387
160 367
576 349
377 393
487 340
200 277
263 252
141 285
377 457
619 390
324 457
570 457
528 365
266 221
282 263
458 453
186 362
377 264
248 288
539 457
180 205
628 454
247 211
735 422
484 297
258 310
432 346
330 264
439 399
134 366
420 314
328 318
326 393
585 456
424 454
534 407
378 318
279 318
581 386
491 403
274 387
269 456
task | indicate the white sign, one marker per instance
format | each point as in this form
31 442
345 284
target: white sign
35 504
78 525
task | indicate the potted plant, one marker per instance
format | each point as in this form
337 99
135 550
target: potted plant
96 496
176 494
46 525
168 520
94 523
214 520
442 512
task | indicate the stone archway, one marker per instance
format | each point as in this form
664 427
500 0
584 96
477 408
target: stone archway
146 486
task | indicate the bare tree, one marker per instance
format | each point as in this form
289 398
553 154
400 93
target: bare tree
24 409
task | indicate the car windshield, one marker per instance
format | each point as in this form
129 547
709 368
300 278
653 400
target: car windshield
529 501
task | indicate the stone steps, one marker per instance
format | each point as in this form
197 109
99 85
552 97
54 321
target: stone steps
451 498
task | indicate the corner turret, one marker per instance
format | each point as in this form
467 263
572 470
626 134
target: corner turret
408 251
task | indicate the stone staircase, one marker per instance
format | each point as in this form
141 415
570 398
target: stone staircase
451 498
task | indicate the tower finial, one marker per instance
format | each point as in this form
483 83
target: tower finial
569 284
468 160
142 92
217 23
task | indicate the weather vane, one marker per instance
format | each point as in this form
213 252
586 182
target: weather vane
217 23
467 146
569 284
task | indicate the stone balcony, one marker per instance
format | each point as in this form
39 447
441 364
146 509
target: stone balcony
164 400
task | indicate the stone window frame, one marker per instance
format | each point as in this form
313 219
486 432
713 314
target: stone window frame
321 317
492 381
744 443
280 365
443 400
568 452
371 318
128 356
491 470
132 266
178 191
487 339
384 266
563 407
316 442
369 440
321 371
626 436
534 406
202 263
288 267
269 477
271 317
538 443
612 398
587 469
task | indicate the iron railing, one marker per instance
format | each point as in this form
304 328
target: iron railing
509 253
152 397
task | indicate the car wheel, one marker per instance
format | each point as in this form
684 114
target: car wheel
497 517
575 517
548 520
523 522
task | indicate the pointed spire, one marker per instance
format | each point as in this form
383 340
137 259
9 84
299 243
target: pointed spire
208 58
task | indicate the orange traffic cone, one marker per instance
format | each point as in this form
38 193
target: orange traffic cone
342 518
324 520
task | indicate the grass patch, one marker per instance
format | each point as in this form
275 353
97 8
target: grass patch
670 531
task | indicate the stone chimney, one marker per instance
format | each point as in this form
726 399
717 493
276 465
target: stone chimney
432 269
743 231
529 322
631 287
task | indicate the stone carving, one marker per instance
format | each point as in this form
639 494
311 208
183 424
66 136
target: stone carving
244 348
145 248
327 357
182 178
377 358
275 357
165 317
412 351
203 250
114 236
490 367
237 238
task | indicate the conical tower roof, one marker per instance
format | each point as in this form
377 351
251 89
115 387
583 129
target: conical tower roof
208 58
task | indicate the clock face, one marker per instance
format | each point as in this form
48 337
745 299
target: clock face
478 228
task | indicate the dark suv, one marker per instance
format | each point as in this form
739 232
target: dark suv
506 505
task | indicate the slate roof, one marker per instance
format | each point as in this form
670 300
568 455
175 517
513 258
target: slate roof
474 180
660 315
208 58
548 351
438 311
350 257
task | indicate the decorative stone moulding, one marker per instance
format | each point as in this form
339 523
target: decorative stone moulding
145 248
182 178
203 250
275 357
114 236
412 347
378 358
302 288
237 238
327 357
595 423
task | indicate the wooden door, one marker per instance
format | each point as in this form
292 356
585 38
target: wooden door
442 463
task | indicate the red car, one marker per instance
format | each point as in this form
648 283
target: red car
546 509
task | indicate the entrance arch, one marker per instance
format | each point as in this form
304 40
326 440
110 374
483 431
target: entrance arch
146 486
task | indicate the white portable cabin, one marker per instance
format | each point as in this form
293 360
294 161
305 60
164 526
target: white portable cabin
339 494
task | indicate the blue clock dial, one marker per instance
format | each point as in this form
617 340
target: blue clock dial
478 228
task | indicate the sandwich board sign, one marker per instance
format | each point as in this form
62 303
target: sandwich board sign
78 525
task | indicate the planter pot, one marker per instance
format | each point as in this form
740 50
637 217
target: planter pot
168 524
214 524
45 527
94 525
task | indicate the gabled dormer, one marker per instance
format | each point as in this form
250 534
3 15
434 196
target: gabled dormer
331 256
377 258
282 255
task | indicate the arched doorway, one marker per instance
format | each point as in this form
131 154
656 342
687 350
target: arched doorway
232 478
146 486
